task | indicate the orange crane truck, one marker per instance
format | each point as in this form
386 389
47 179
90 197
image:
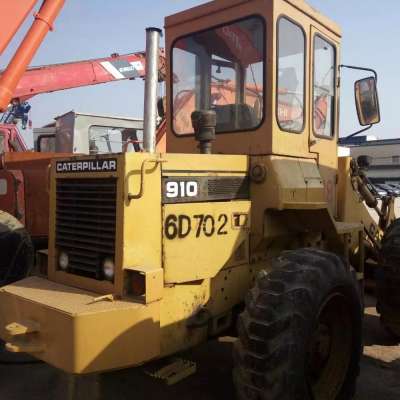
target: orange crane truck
24 175
17 252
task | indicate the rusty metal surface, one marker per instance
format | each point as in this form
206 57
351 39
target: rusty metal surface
32 170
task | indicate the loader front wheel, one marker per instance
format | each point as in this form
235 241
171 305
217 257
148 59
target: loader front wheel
300 333
16 249
388 285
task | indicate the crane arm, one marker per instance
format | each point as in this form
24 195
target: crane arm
12 15
50 78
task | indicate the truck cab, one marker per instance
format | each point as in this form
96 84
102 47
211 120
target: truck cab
83 133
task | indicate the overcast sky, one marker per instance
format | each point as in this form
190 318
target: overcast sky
96 28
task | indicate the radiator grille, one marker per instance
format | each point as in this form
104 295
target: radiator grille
85 223
235 188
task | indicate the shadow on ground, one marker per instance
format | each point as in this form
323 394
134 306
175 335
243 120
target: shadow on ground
379 377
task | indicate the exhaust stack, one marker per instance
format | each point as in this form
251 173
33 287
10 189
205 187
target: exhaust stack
150 90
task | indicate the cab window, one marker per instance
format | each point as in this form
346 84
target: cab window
291 76
324 87
221 69
46 143
105 140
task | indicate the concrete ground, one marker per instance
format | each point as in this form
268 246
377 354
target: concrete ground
379 379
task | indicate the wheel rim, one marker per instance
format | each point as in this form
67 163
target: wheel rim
330 348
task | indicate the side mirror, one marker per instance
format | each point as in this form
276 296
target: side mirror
367 102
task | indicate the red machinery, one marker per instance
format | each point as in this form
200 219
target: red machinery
50 78
24 175
16 248
56 77
12 15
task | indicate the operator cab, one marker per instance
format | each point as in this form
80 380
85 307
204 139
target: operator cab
270 71
82 133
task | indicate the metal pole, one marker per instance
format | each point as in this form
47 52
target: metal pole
150 90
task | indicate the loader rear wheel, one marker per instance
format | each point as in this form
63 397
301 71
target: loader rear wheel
16 249
300 333
388 284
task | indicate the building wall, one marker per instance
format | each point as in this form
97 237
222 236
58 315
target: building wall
385 166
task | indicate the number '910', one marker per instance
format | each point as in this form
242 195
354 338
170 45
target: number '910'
182 189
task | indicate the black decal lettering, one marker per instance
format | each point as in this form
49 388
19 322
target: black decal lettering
171 227
209 225
200 219
223 220
184 226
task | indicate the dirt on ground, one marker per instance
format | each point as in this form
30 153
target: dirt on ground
379 378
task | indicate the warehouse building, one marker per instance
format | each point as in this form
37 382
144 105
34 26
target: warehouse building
385 166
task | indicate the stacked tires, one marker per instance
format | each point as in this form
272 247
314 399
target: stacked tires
300 336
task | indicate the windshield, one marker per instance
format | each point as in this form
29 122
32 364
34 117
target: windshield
220 69
104 140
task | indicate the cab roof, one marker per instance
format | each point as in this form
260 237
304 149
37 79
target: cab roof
219 5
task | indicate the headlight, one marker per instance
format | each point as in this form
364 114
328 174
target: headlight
109 269
63 260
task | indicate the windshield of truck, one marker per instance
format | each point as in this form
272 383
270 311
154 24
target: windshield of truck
220 69
104 140
46 143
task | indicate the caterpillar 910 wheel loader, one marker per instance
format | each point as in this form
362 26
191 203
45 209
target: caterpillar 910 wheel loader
249 216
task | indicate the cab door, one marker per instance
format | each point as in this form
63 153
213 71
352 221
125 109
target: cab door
324 122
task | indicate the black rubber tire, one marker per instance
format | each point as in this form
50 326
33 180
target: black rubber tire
16 249
281 318
388 282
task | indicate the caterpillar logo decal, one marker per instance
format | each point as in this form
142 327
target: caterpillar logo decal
108 165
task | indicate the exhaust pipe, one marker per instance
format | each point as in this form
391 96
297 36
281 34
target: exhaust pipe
150 90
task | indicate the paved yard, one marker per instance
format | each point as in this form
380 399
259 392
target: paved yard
379 378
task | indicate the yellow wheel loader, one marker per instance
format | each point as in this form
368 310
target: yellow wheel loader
249 217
